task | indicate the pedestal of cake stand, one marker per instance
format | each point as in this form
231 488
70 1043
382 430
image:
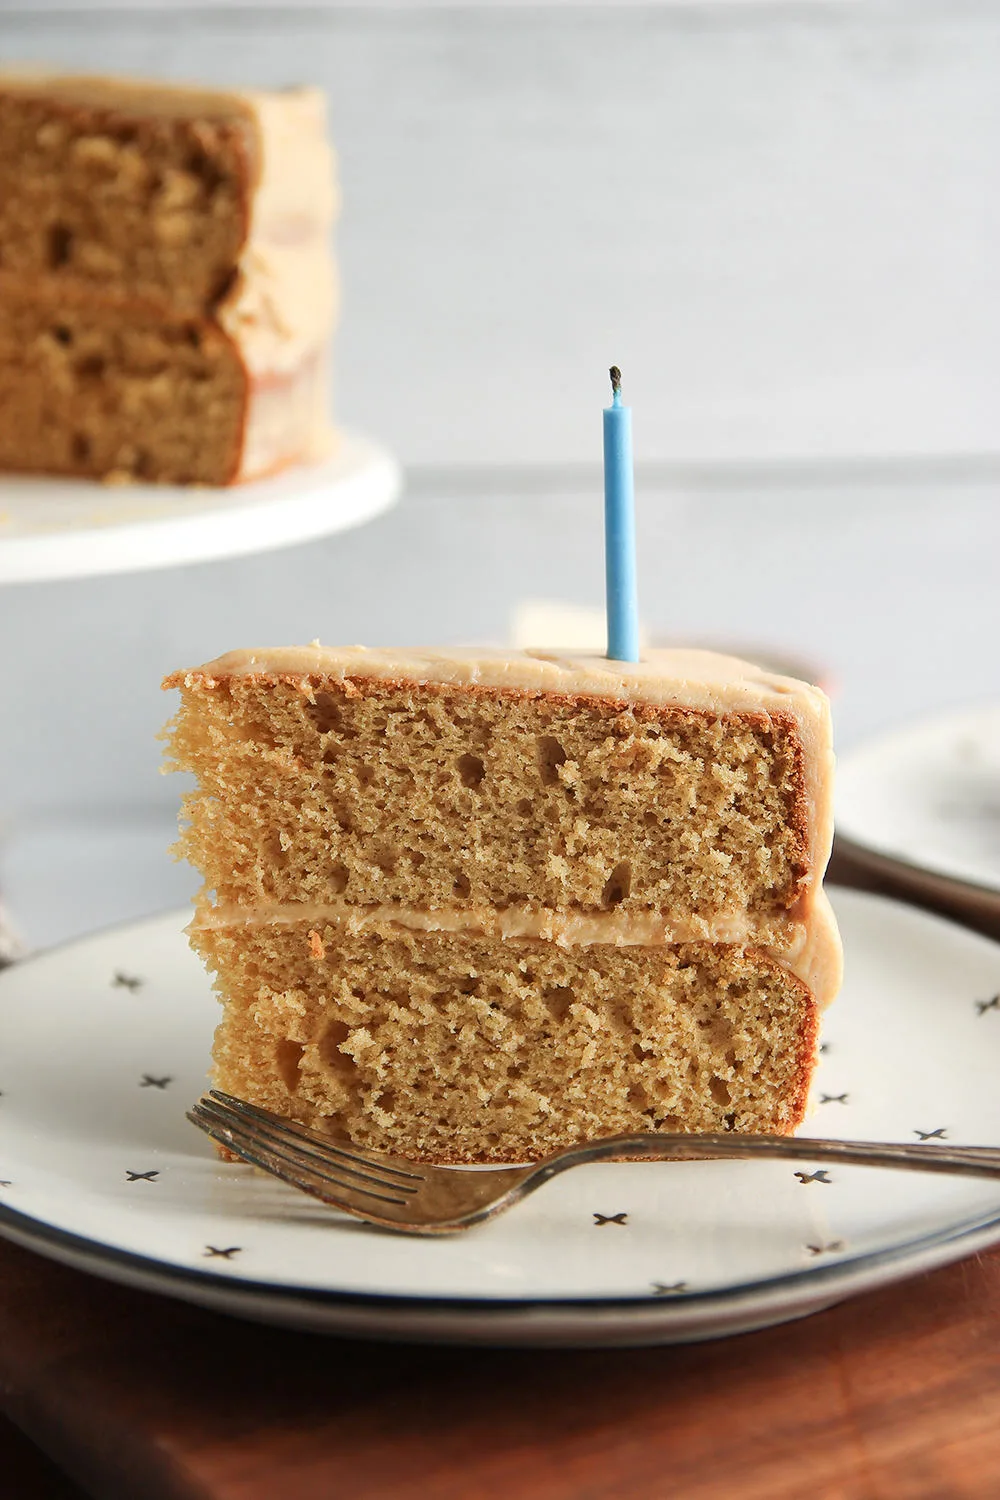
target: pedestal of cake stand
72 528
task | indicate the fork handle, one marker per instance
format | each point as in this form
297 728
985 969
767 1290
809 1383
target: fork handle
972 1161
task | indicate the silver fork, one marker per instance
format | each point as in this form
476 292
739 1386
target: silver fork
416 1199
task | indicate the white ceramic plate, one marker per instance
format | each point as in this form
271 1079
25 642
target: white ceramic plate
928 796
103 1045
71 528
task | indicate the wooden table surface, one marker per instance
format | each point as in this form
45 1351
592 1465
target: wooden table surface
27 1473
892 1396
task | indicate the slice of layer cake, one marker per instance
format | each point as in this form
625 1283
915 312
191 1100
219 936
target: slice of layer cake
474 907
166 286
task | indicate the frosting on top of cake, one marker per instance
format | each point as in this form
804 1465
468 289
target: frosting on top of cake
693 678
137 96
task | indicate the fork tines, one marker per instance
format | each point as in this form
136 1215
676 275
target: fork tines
341 1176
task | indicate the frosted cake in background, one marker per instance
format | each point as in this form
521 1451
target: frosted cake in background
167 289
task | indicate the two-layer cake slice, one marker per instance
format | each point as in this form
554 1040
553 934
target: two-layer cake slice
469 906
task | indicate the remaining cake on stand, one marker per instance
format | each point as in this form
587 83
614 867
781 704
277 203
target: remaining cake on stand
473 907
167 289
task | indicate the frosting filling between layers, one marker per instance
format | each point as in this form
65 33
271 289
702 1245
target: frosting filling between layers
808 948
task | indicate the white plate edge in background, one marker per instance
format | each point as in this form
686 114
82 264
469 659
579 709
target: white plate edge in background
132 528
873 768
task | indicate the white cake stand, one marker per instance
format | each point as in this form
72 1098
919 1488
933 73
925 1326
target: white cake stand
74 528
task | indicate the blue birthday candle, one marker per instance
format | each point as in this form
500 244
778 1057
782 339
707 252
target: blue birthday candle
619 527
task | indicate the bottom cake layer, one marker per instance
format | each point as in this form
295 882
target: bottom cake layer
450 1047
110 390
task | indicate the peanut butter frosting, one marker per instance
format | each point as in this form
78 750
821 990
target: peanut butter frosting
809 948
283 302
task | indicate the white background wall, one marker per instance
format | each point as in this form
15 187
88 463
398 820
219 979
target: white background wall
781 219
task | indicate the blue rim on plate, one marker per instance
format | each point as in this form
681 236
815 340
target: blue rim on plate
621 1320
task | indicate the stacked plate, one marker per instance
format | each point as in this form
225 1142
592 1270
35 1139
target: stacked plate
920 810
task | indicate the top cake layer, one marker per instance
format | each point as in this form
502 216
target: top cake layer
706 681
183 199
685 798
